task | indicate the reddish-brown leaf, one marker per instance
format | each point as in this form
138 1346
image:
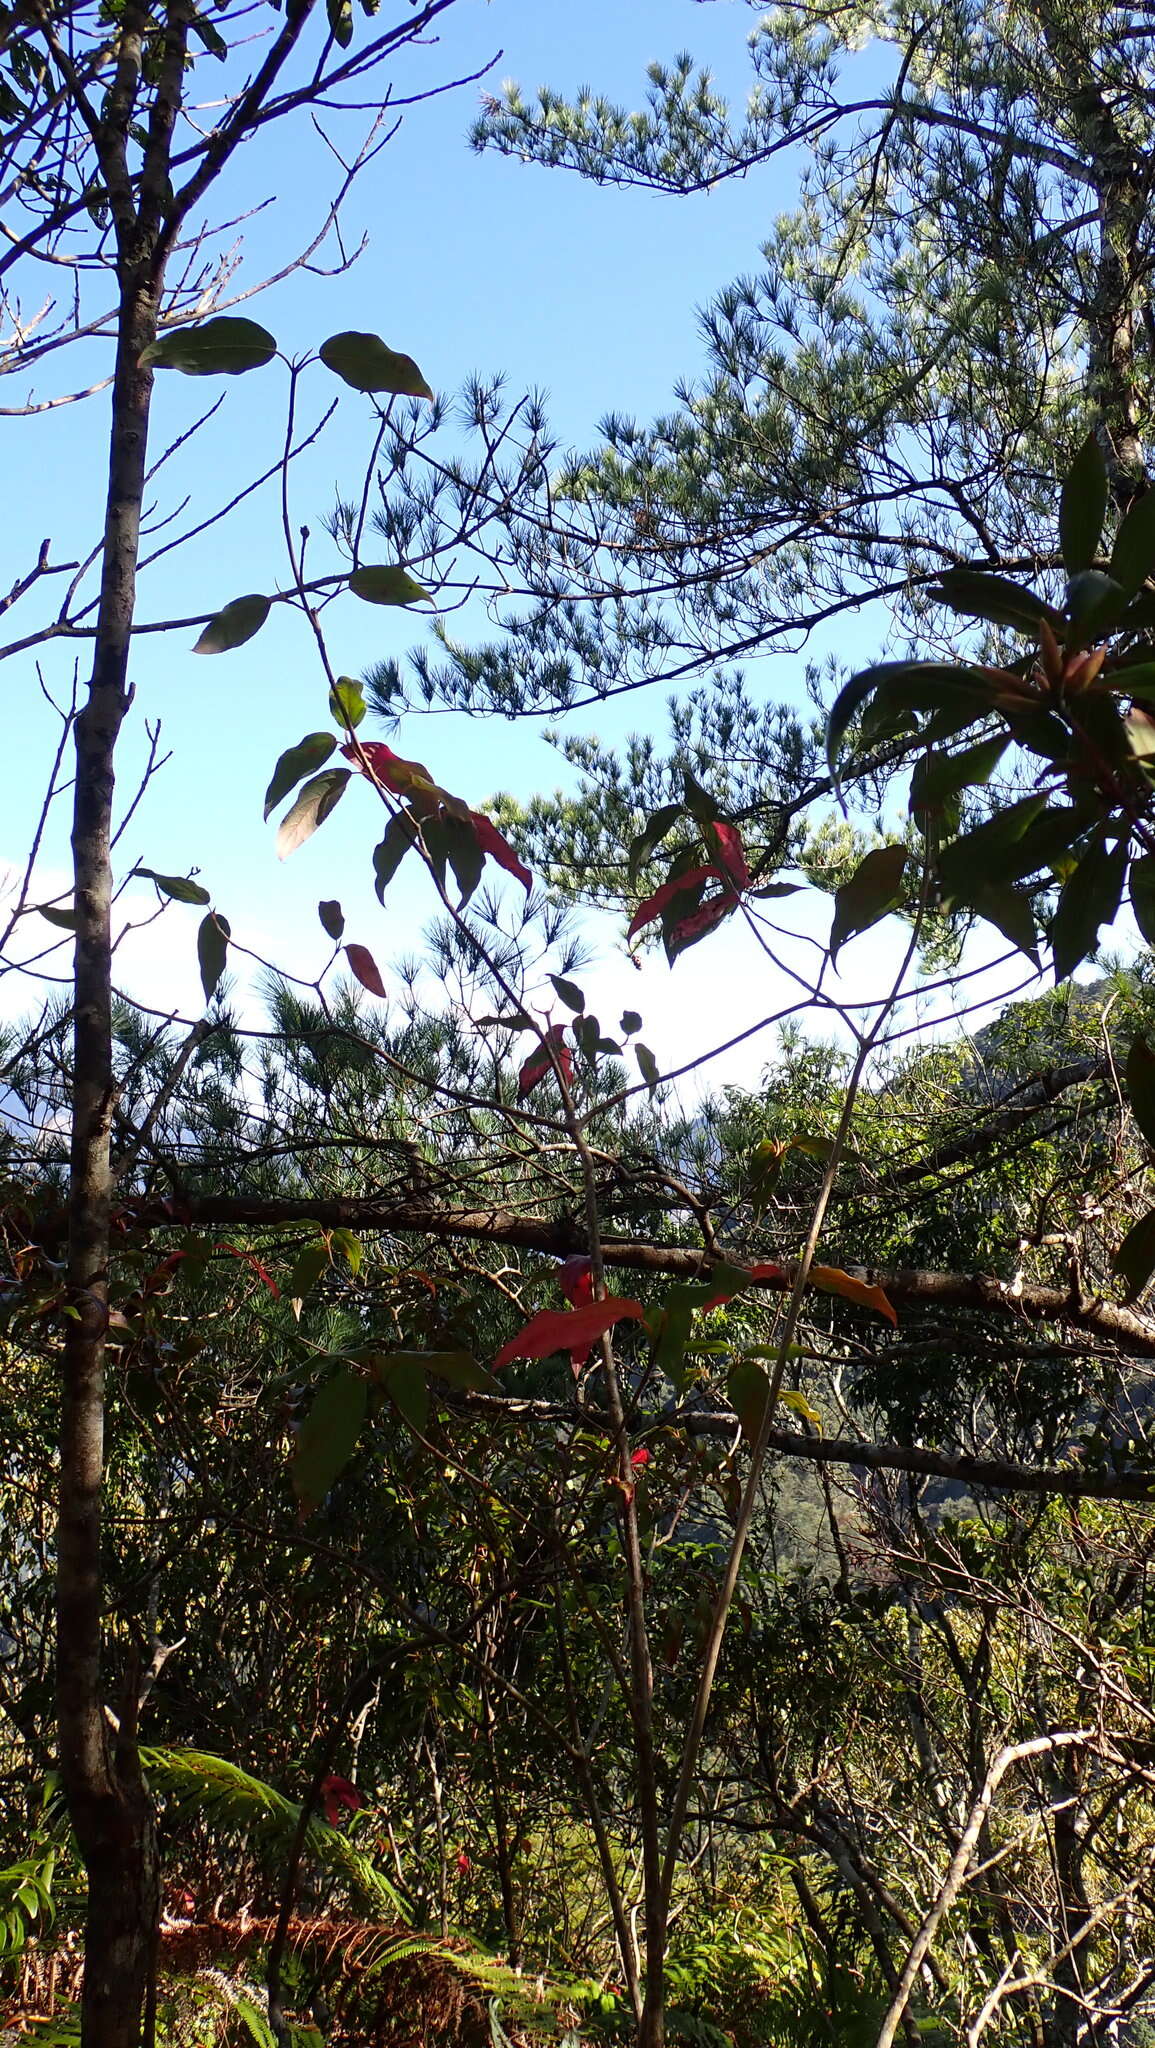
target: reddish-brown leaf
576 1279
366 969
490 841
336 1794
654 905
699 922
731 852
832 1280
539 1063
574 1330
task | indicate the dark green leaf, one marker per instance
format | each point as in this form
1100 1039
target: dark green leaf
569 992
388 854
224 347
295 763
364 361
405 1383
587 1032
340 13
311 1261
1090 898
179 887
1010 911
1141 888
873 889
65 919
1135 1258
700 804
320 796
1083 507
1141 1086
629 1023
328 1437
457 1368
982 857
904 686
347 701
1094 601
651 836
232 626
332 919
211 37
977 595
941 776
387 583
749 1391
1133 555
212 950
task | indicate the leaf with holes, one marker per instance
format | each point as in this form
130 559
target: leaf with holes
237 622
320 796
367 364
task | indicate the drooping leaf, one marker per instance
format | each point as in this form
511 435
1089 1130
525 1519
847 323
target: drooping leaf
332 919
451 843
310 1263
904 685
1083 507
387 583
874 888
388 854
1135 1257
367 364
1094 602
212 950
499 849
678 885
731 852
832 1280
406 1385
1141 1086
987 855
1133 555
179 887
64 919
749 1390
234 624
569 992
650 837
328 1437
347 701
295 763
576 1279
978 595
366 969
940 776
1141 889
647 1065
539 1063
1012 913
700 804
224 347
681 932
321 794
574 1330
340 17
1089 898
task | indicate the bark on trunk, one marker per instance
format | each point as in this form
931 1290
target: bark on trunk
108 1802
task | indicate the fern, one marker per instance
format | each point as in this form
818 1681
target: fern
196 1785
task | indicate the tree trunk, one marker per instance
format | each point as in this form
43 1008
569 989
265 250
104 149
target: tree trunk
107 1800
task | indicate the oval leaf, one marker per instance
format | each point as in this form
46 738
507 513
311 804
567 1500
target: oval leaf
1141 1086
1083 507
1133 555
569 992
873 889
232 626
367 364
1135 1258
332 919
212 950
178 887
328 1437
366 969
387 583
225 347
317 799
296 762
347 701
832 1280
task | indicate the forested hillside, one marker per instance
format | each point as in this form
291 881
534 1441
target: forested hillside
507 1539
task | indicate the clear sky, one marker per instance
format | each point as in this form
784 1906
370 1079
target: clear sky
472 264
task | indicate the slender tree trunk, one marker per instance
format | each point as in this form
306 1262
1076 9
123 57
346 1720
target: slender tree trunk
109 1804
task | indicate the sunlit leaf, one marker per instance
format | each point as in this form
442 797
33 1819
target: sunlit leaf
224 347
179 887
234 624
365 362
574 1330
295 763
318 798
387 583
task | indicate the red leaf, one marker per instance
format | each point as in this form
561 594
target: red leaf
699 922
490 841
654 905
765 1271
381 760
464 1866
539 1063
573 1330
641 1457
337 1793
731 852
576 1279
366 969
250 1259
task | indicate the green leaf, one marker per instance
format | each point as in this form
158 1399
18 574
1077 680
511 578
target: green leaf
983 857
457 1368
651 836
179 887
311 1261
1141 888
347 701
647 1065
941 776
1094 601
405 1383
295 763
364 361
1135 1257
977 595
629 1023
232 626
388 854
1133 555
387 583
905 686
332 919
569 992
211 37
1011 913
700 804
873 889
1083 507
749 1391
1090 897
212 950
1140 1075
349 1244
65 919
320 796
225 347
587 1031
340 13
328 1437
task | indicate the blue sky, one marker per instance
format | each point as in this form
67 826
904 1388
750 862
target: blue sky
473 264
